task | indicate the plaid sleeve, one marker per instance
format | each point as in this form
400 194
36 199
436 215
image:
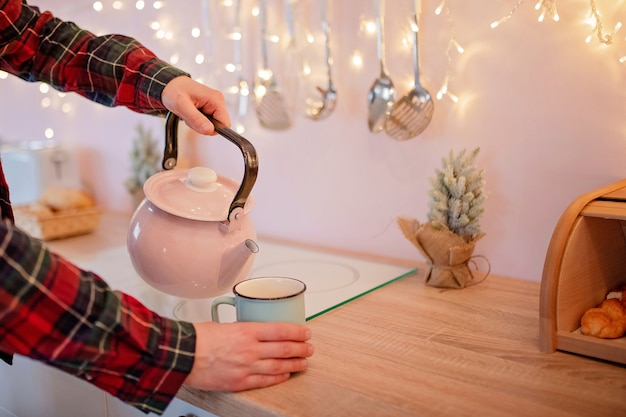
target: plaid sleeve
113 70
53 312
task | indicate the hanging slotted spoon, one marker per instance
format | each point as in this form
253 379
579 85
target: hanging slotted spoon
413 112
271 106
382 94
322 109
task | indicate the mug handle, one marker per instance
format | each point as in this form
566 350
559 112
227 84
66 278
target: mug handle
220 300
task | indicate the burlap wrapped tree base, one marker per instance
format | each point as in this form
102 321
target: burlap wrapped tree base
448 255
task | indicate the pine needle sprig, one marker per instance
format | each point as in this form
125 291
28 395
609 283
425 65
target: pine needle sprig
457 194
145 159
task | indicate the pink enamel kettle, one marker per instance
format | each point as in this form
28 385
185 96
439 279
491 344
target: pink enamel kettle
192 236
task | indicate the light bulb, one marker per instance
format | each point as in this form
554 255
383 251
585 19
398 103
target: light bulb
265 74
357 59
440 7
458 47
369 26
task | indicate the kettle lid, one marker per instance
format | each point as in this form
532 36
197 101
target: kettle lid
198 193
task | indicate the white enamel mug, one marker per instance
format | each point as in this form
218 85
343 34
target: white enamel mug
265 299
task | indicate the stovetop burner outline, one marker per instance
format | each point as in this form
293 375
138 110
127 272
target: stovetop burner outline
344 275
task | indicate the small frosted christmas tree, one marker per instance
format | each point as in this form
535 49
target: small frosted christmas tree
448 239
457 195
145 159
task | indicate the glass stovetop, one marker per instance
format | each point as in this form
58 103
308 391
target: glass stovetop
332 280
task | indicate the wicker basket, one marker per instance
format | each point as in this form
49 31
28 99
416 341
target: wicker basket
58 225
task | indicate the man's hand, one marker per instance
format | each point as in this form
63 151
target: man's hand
184 97
241 356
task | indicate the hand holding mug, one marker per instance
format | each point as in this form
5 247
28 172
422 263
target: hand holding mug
241 356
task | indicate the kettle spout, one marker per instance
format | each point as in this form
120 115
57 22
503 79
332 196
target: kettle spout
251 245
233 262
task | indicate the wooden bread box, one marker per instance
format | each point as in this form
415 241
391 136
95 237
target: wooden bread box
585 260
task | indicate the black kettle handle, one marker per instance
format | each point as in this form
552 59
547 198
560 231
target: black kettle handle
170 155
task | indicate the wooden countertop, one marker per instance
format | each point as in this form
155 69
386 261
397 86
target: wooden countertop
411 350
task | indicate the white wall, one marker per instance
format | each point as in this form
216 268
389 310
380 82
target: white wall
546 108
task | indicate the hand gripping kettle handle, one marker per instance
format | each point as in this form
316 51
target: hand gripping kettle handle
170 155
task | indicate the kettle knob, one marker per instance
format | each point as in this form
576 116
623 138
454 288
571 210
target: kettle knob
202 179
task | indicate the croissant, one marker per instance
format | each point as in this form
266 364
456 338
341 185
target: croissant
608 321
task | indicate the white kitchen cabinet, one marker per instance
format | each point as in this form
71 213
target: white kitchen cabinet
31 389
177 408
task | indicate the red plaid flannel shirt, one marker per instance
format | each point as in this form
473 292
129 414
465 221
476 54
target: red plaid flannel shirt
50 310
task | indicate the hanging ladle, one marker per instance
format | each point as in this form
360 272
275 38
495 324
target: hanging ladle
413 112
382 94
271 106
322 109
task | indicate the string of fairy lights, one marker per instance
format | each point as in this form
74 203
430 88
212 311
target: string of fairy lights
453 45
546 11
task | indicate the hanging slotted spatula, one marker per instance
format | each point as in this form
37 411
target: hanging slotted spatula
382 94
412 113
271 106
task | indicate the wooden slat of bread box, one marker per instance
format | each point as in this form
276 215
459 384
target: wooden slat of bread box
619 194
608 349
605 209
